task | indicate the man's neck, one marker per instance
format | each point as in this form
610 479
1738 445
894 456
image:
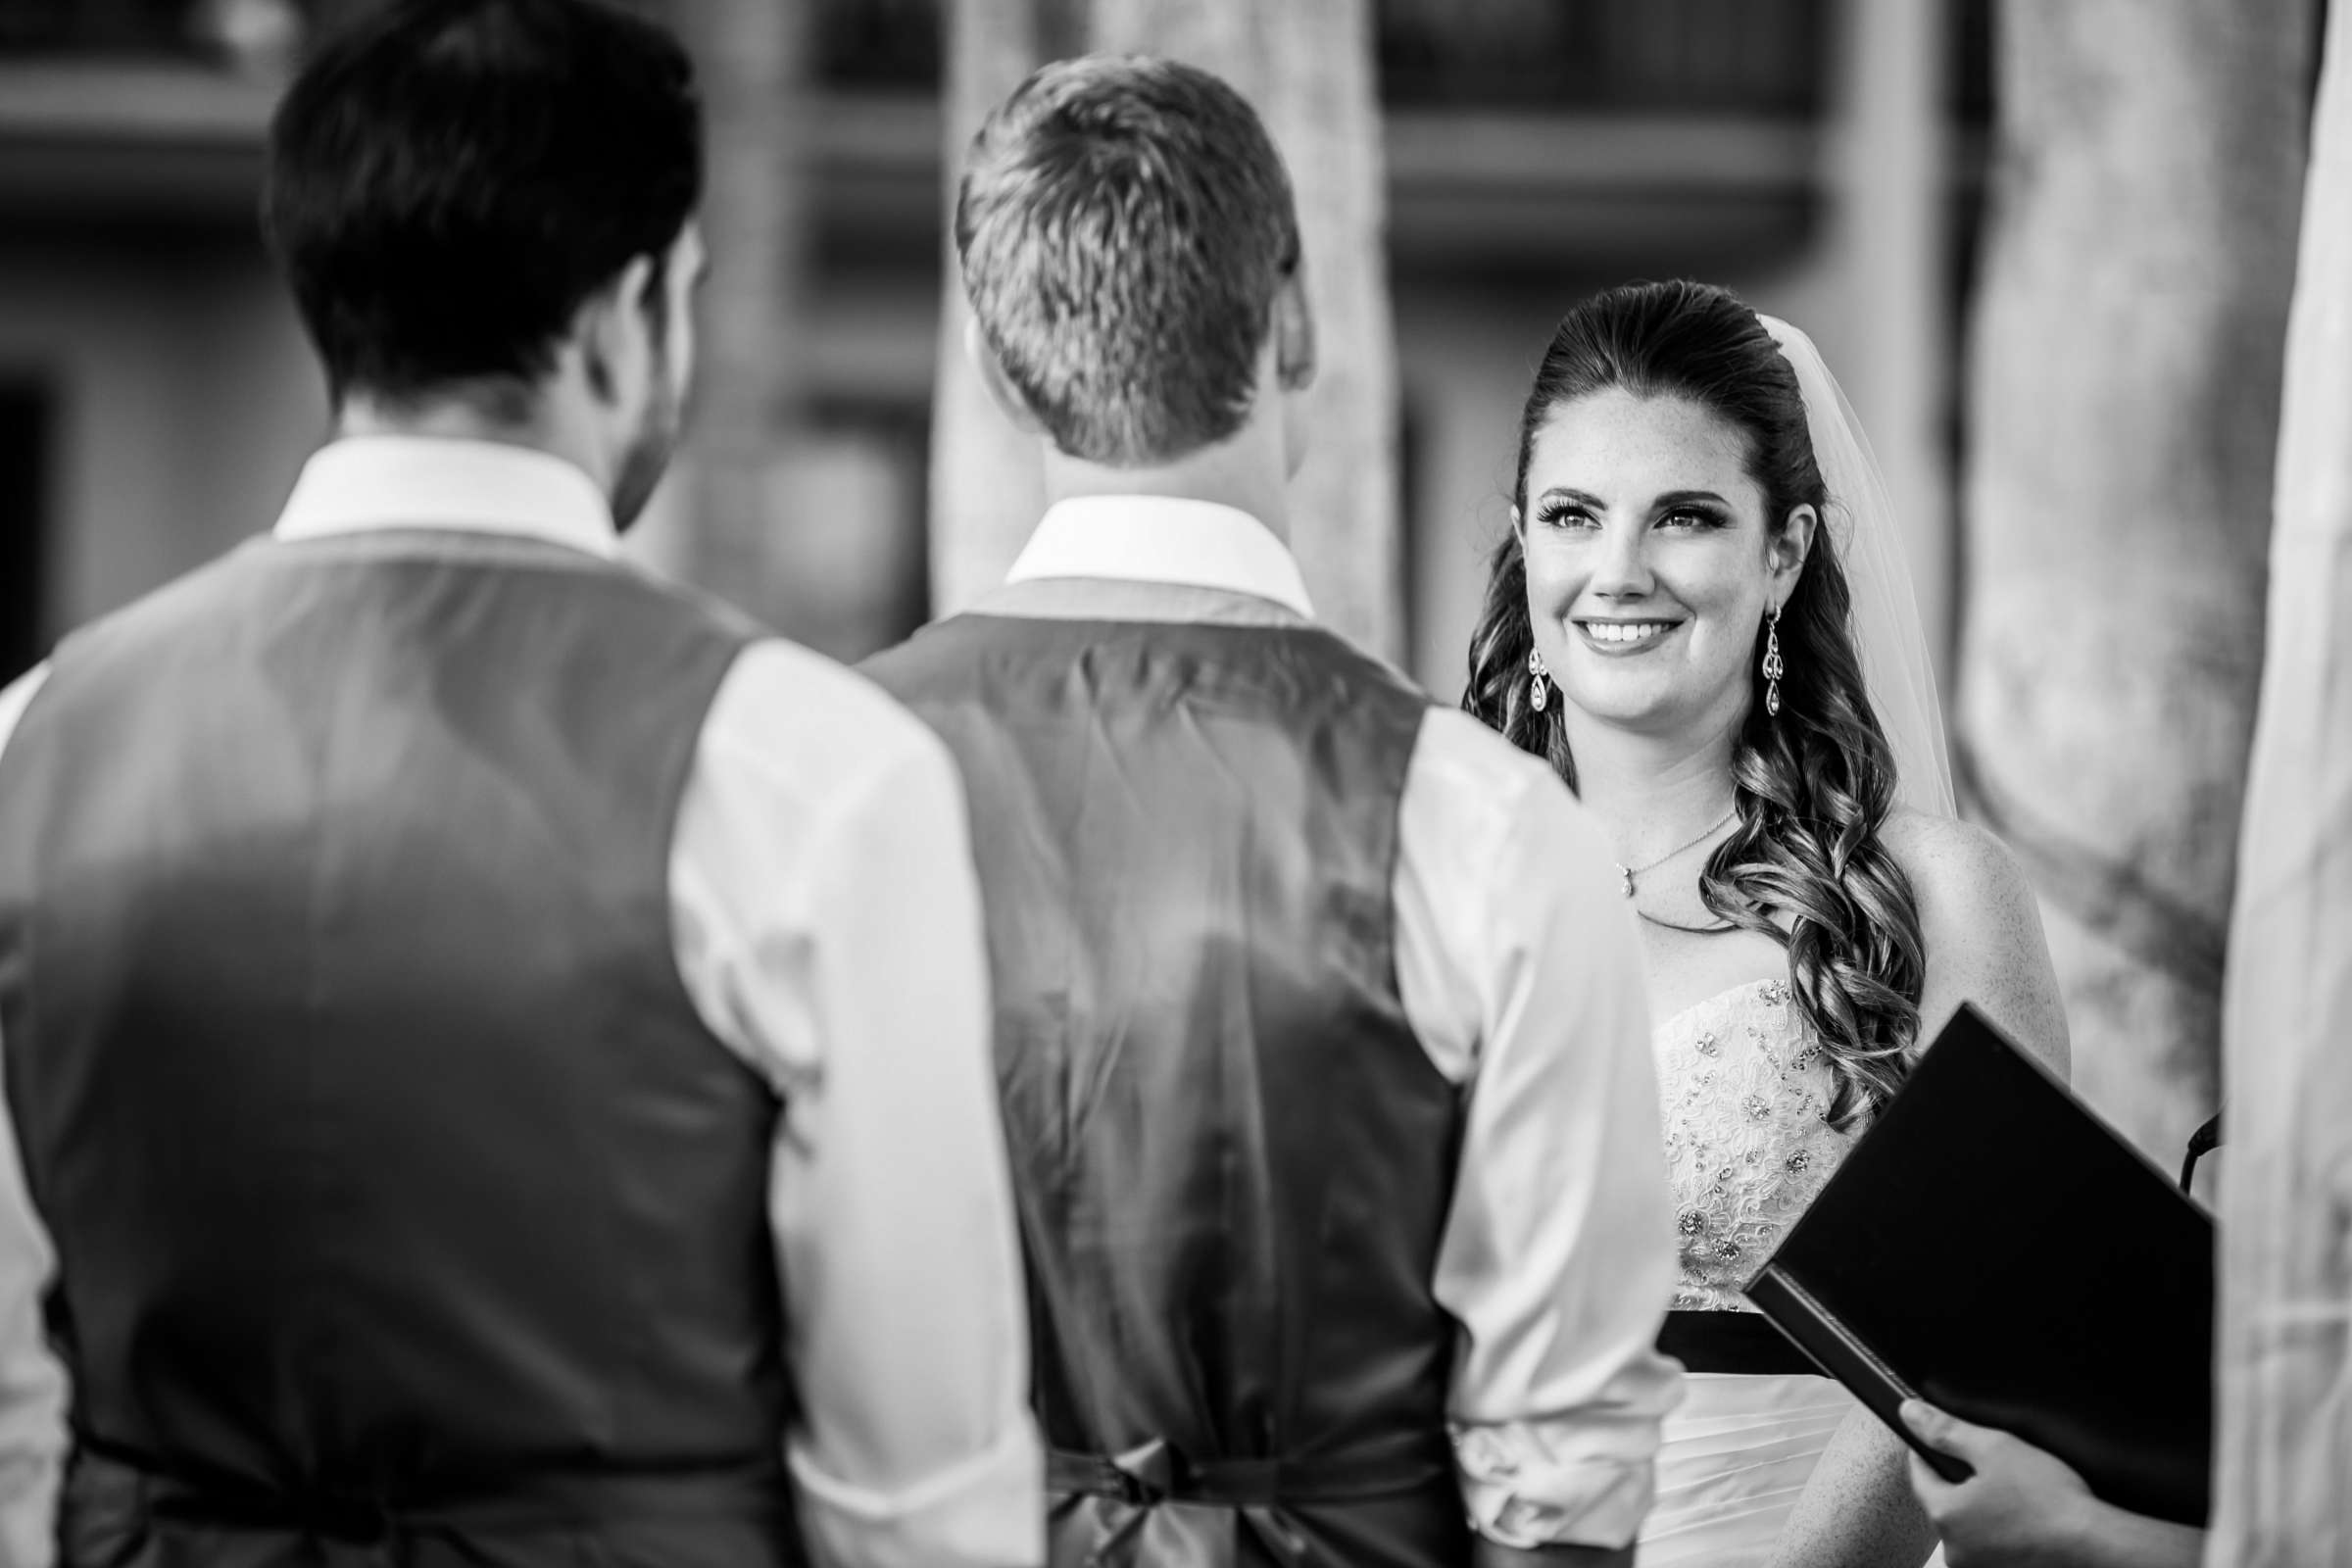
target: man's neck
515 421
1235 473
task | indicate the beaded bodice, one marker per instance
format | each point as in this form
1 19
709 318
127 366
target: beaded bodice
1744 1092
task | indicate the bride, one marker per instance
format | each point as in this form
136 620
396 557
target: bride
1719 652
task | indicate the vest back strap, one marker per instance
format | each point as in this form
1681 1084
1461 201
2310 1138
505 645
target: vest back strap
544 1503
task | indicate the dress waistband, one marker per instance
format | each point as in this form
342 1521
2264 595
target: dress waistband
105 1479
1155 1472
1743 1342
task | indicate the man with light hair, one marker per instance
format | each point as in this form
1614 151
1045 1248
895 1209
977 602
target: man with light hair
1320 1027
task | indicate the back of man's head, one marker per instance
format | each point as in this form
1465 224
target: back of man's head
449 181
1124 226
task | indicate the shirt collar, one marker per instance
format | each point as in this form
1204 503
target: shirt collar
400 481
1166 539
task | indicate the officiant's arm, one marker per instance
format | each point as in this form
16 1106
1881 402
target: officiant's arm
33 1384
1981 932
828 927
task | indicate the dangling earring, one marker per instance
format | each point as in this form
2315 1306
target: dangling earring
1539 690
1772 661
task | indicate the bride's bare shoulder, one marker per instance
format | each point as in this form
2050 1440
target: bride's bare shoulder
1981 926
1950 859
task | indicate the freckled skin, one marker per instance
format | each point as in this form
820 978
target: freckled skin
1642 507
1981 929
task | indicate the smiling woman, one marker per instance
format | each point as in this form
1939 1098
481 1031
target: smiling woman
1669 578
1650 563
1661 549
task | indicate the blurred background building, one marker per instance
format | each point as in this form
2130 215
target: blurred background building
2047 248
1820 156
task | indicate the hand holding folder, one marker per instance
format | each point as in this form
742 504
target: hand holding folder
1993 1247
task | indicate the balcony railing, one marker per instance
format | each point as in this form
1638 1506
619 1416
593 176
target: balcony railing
1742 57
256 34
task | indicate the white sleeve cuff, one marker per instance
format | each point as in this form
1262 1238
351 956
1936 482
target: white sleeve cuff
986 1511
1529 1486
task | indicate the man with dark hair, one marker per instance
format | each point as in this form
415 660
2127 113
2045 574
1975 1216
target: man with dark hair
1320 1031
463 1100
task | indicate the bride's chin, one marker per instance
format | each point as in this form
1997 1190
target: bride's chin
1629 704
1624 719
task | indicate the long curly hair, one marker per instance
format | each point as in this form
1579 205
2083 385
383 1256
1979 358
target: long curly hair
1813 786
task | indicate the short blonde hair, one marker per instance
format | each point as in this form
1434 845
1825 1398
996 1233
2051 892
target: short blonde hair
1125 224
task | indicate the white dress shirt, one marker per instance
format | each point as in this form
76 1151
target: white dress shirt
1519 970
820 850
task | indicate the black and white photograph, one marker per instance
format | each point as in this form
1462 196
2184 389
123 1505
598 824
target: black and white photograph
1175 784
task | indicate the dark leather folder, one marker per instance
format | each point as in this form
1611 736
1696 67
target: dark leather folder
1992 1247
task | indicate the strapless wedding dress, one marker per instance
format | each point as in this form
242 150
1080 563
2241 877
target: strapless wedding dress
1744 1089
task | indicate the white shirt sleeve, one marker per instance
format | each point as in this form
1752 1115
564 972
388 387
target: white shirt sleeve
828 930
1521 971
32 1382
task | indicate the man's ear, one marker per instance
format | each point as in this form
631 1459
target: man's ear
1294 334
1001 390
612 329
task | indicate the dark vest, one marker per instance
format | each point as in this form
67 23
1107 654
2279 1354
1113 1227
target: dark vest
1233 1157
405 1211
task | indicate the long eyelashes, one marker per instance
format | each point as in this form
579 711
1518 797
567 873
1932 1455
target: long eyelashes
1694 518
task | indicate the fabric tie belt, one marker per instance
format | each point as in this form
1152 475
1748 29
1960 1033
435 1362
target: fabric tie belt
1155 1472
1731 1342
110 1483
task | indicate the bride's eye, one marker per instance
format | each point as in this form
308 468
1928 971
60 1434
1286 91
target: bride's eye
1689 517
1563 514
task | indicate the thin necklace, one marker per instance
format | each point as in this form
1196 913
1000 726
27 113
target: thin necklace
1715 930
1629 872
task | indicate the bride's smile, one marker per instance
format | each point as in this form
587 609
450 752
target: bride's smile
1618 638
